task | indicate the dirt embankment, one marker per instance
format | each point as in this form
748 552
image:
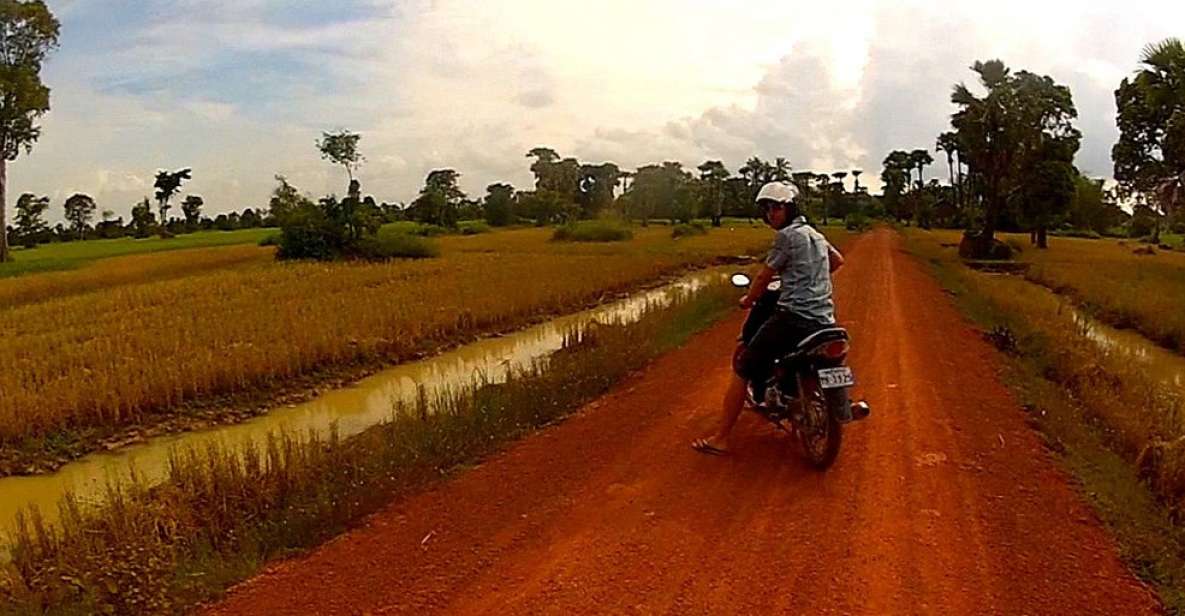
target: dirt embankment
944 502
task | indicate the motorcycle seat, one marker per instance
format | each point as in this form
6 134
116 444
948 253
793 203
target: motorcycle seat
823 335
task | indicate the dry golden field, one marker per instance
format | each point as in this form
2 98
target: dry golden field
102 346
1144 292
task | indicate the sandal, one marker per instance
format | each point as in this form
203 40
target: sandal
703 446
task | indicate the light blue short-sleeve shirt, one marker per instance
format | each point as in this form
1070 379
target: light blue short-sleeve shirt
802 257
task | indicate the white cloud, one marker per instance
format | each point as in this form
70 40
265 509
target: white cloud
228 88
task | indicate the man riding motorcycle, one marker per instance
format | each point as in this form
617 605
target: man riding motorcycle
804 260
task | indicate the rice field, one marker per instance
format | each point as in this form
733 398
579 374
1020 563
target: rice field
1116 284
105 346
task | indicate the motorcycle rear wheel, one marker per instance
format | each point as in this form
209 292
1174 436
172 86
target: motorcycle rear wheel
820 433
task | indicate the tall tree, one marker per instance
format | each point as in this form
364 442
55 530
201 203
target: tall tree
661 191
1022 122
341 148
898 169
597 185
286 200
920 159
80 209
1150 155
167 185
948 143
780 171
499 204
142 219
28 33
712 175
856 173
191 207
439 200
30 218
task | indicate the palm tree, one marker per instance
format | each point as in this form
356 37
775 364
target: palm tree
920 159
713 174
839 177
781 170
947 142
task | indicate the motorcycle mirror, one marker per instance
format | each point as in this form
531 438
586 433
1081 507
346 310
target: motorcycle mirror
740 280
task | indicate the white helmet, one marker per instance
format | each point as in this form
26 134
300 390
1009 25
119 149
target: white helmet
782 192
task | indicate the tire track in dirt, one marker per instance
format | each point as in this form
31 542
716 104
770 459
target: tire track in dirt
943 502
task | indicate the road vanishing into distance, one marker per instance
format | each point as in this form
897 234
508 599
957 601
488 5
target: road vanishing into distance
943 502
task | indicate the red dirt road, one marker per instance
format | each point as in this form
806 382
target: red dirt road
942 503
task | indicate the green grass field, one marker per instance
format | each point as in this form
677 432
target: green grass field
70 255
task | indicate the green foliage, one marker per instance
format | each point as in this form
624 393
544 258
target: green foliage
1150 154
167 185
80 209
271 239
691 228
192 209
498 205
143 221
31 228
543 206
1143 222
662 191
1091 208
28 33
712 176
341 148
473 227
327 230
1023 123
285 200
856 221
439 200
386 245
592 231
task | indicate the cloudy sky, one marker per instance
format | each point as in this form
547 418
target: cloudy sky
240 89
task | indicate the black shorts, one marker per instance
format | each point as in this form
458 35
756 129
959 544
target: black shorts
768 335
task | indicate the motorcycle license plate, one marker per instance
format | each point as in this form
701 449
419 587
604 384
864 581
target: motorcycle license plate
833 378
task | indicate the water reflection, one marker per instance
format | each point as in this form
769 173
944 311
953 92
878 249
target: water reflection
353 408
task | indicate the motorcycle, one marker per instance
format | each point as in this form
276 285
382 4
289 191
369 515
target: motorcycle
806 394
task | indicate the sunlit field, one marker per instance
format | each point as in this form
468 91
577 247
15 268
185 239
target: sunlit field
1124 288
145 339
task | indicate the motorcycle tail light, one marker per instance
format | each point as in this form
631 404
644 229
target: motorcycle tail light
834 350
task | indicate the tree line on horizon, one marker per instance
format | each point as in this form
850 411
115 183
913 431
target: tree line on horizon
1010 153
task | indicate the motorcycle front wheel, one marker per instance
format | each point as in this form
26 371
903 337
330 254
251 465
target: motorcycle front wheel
820 432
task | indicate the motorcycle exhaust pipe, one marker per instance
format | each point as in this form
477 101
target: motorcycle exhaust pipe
860 410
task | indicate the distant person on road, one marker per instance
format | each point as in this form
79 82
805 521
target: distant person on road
804 260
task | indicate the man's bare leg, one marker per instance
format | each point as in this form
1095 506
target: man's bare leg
734 402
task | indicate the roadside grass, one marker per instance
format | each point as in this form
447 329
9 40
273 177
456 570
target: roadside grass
81 366
71 255
1112 282
221 515
1113 426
